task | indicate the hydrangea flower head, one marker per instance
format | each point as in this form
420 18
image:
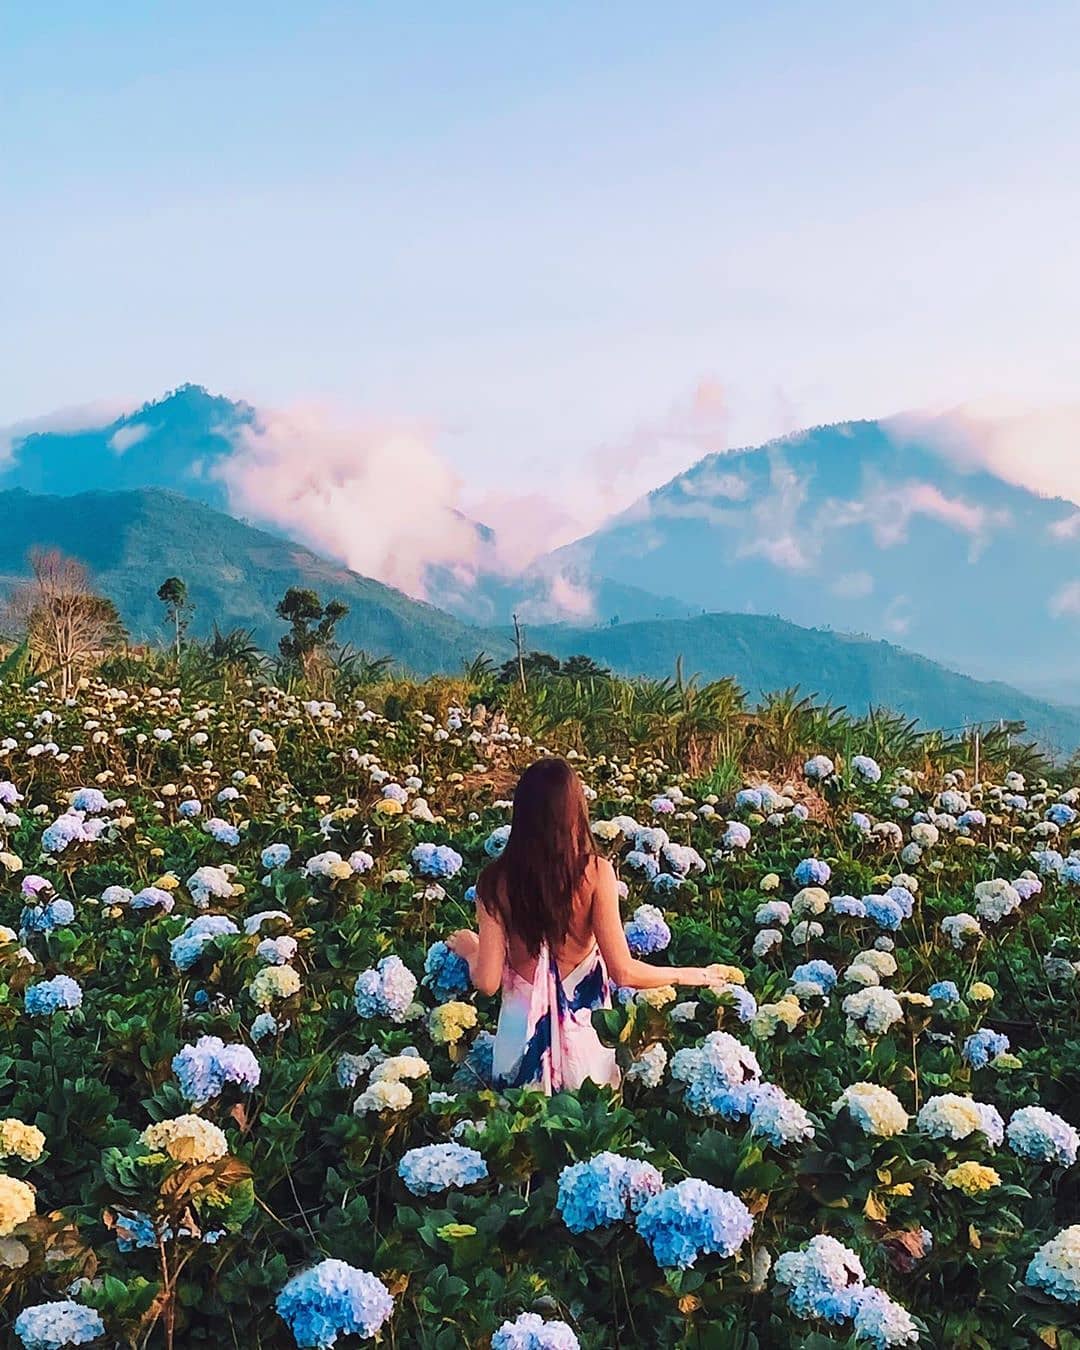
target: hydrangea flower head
50 1326
875 1110
647 932
204 1069
692 1219
1055 1267
604 1190
446 973
436 860
812 872
822 1280
984 1045
386 990
529 1331
950 1116
1042 1136
333 1299
61 993
881 1321
438 1167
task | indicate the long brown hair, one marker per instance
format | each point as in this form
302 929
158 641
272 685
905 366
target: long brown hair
531 886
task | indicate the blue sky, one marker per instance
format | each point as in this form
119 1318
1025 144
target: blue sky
538 228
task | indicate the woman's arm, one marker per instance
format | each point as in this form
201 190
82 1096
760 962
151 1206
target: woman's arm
622 967
485 952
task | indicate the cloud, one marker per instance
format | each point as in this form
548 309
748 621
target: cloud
888 509
123 438
1066 601
898 616
77 417
853 585
376 496
1034 447
771 528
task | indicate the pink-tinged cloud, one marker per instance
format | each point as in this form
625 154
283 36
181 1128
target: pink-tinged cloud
1034 447
377 497
78 417
1066 601
888 509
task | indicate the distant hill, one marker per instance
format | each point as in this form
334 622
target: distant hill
132 541
177 441
765 654
866 527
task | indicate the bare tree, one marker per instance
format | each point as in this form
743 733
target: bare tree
65 623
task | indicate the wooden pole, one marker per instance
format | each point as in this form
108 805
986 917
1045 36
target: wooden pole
519 644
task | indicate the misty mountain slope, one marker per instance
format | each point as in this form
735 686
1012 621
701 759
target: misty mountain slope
766 654
863 527
132 541
177 441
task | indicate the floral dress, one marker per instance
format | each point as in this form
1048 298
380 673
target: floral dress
545 1036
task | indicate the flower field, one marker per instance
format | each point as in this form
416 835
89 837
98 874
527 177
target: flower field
244 1089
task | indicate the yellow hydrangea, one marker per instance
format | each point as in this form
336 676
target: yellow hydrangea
980 992
657 998
186 1139
771 1016
16 1204
398 1067
274 982
11 862
972 1178
450 1021
340 871
21 1141
386 806
729 974
770 882
168 881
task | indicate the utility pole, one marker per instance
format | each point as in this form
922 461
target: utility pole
977 778
519 644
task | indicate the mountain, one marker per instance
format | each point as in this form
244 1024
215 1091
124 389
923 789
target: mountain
764 654
867 527
131 541
177 441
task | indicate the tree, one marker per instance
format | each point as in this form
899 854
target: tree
173 594
584 668
65 623
537 664
311 626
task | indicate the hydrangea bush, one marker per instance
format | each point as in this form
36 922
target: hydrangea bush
245 1087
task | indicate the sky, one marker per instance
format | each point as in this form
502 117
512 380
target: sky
544 231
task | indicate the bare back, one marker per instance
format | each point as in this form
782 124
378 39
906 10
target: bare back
580 938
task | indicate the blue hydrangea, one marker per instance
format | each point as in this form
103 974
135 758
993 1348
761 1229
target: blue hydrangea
748 799
49 996
186 949
605 1190
275 856
820 973
153 897
91 800
438 1167
720 1075
189 809
693 1219
50 1326
529 1331
778 1117
333 1299
885 911
664 883
204 1069
868 769
1061 814
1042 1136
45 918
849 906
386 990
436 860
223 832
446 973
861 821
66 829
812 872
741 999
478 1067
944 991
984 1045
647 932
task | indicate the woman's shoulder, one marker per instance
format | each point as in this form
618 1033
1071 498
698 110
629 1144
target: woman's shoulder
599 870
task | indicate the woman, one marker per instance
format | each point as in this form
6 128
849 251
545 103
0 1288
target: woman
550 936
